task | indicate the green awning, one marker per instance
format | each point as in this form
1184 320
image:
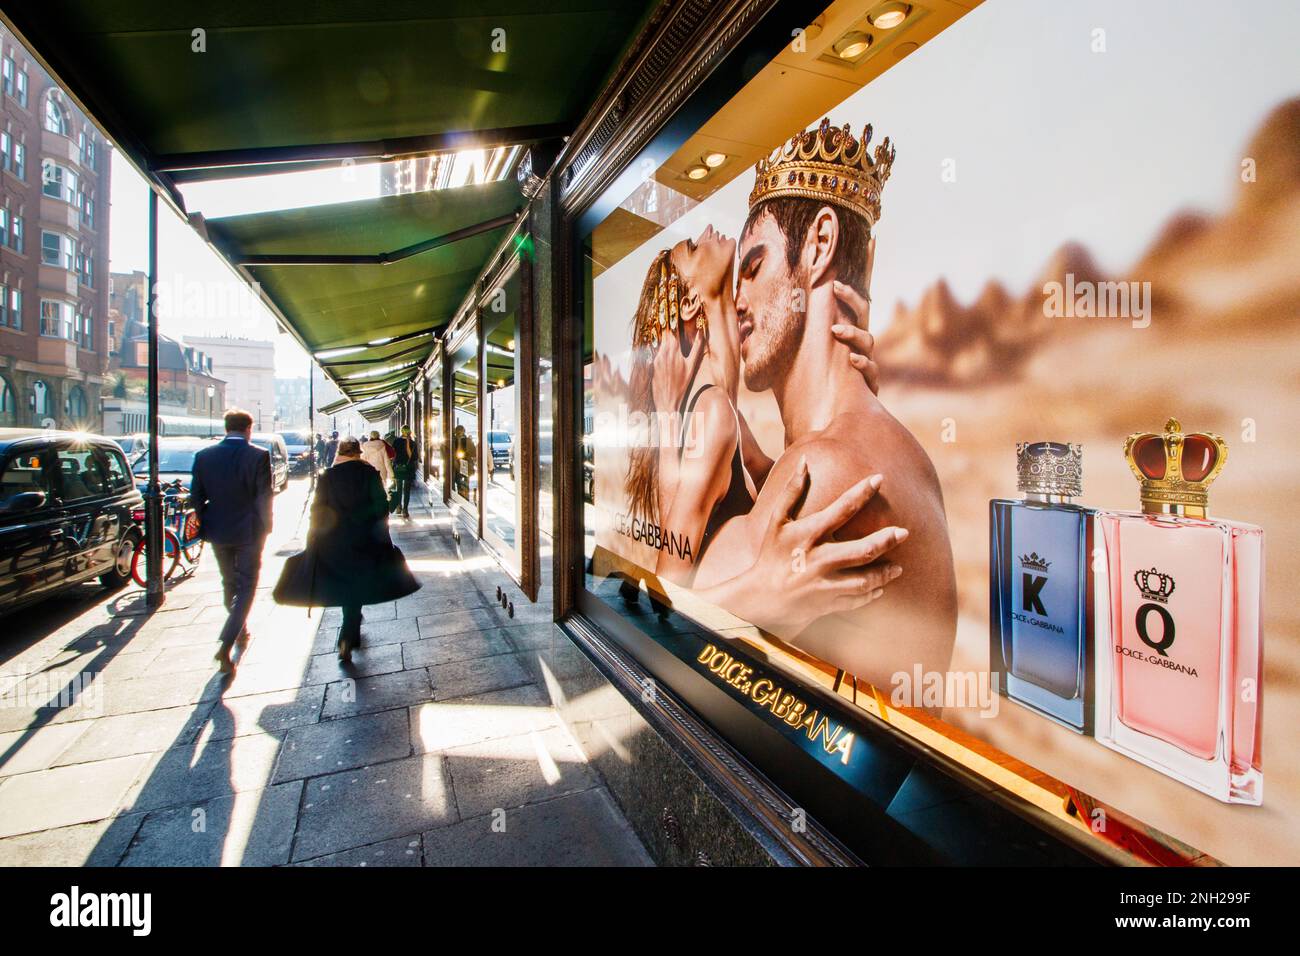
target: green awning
378 275
216 88
334 407
282 81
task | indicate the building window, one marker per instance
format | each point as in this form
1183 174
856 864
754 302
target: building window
56 117
56 319
89 155
58 182
41 404
4 227
88 211
15 308
4 305
58 250
20 88
20 160
8 403
9 75
85 330
7 151
16 233
77 405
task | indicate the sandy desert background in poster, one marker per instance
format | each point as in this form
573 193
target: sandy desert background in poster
1169 158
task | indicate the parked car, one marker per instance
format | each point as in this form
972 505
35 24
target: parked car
66 504
279 458
298 445
175 461
502 447
132 445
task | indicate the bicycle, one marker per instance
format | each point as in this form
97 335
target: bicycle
181 541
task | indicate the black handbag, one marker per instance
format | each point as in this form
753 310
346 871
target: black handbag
297 584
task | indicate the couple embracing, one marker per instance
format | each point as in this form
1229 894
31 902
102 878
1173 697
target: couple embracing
838 546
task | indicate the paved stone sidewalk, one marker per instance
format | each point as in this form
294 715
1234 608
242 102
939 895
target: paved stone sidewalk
436 747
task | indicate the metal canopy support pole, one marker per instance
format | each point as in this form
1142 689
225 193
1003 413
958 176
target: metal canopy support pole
311 422
153 495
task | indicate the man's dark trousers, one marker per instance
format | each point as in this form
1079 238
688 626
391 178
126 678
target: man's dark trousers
230 488
240 565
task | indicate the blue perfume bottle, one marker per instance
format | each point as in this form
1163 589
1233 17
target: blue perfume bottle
1040 587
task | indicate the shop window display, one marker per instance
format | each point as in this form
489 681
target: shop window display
824 349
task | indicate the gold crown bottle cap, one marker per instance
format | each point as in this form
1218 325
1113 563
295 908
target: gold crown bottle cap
1049 468
1175 469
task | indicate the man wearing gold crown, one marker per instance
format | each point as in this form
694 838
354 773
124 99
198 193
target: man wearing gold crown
807 238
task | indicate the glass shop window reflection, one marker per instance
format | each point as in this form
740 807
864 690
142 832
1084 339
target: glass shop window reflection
500 453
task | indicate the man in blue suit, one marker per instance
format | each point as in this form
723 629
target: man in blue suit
231 491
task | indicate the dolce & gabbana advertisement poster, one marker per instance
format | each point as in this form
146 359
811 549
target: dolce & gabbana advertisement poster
977 394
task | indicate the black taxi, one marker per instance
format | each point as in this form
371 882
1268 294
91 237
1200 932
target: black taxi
66 513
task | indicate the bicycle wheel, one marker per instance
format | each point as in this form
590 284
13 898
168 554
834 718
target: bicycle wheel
193 547
171 554
171 557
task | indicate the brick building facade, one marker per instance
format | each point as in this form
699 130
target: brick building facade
54 202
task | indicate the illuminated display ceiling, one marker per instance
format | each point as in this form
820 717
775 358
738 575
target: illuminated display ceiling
1003 667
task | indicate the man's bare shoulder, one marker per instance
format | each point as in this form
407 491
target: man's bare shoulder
852 447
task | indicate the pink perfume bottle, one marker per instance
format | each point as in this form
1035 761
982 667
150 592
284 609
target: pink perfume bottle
1179 675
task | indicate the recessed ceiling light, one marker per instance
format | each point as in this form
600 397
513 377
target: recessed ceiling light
852 45
889 15
714 160
697 172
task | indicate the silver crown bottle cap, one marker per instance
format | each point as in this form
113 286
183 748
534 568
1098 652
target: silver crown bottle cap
1049 468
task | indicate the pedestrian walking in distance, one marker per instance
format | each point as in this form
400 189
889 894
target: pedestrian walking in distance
331 449
350 560
406 455
230 489
375 454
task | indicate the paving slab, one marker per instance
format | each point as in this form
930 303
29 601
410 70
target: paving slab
459 622
366 695
24 751
143 733
101 843
450 648
403 851
62 796
272 712
334 745
366 662
468 678
580 829
468 720
509 772
250 828
377 634
361 807
185 776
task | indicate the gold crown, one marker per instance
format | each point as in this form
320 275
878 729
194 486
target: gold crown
828 165
666 312
1175 469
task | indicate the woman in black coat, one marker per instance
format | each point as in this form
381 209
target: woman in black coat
350 560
